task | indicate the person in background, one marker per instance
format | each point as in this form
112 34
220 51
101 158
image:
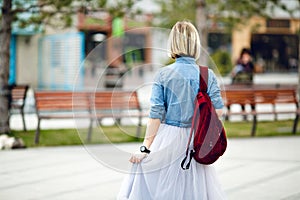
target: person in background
243 71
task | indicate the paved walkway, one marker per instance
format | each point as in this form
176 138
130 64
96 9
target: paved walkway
255 168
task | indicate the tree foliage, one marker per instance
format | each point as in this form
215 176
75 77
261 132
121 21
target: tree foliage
228 12
172 11
232 12
59 13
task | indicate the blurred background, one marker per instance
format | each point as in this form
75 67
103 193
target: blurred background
99 44
85 46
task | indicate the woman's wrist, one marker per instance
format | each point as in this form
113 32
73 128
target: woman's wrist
146 143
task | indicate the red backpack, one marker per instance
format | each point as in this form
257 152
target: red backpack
209 134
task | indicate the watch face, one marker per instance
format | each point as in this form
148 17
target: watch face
143 148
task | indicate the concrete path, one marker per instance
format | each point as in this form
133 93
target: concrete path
251 169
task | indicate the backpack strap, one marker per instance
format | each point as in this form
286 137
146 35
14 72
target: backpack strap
203 79
202 88
190 153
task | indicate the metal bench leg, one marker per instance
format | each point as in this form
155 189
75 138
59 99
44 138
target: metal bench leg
295 124
117 121
245 115
89 135
227 116
275 114
23 119
254 126
37 133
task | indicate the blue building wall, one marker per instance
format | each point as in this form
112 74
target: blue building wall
12 66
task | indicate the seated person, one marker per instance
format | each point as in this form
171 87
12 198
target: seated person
242 73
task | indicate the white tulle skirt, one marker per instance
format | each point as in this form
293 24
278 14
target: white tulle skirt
160 177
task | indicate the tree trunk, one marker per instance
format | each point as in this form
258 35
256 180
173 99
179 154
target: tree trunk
201 24
5 36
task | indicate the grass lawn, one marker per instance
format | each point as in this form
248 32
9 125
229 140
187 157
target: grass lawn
263 128
115 134
100 135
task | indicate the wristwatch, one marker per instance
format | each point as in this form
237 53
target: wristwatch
144 149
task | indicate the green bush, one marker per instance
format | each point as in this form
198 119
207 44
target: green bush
223 61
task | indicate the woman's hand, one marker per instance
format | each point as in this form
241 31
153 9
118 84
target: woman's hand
137 157
151 130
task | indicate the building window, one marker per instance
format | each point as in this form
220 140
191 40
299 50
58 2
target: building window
278 23
133 48
277 52
92 40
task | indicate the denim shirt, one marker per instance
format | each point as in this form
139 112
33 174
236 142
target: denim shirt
174 90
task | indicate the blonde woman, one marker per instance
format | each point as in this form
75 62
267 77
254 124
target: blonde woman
156 171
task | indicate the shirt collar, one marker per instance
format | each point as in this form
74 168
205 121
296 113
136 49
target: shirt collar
185 59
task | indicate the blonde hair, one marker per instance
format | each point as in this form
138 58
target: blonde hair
184 40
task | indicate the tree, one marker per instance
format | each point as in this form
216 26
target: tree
42 12
201 19
229 12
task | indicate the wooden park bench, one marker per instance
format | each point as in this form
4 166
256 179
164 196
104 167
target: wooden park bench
296 121
242 98
117 105
18 97
276 97
88 105
262 95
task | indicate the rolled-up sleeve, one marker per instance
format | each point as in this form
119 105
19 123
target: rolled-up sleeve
157 110
214 91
